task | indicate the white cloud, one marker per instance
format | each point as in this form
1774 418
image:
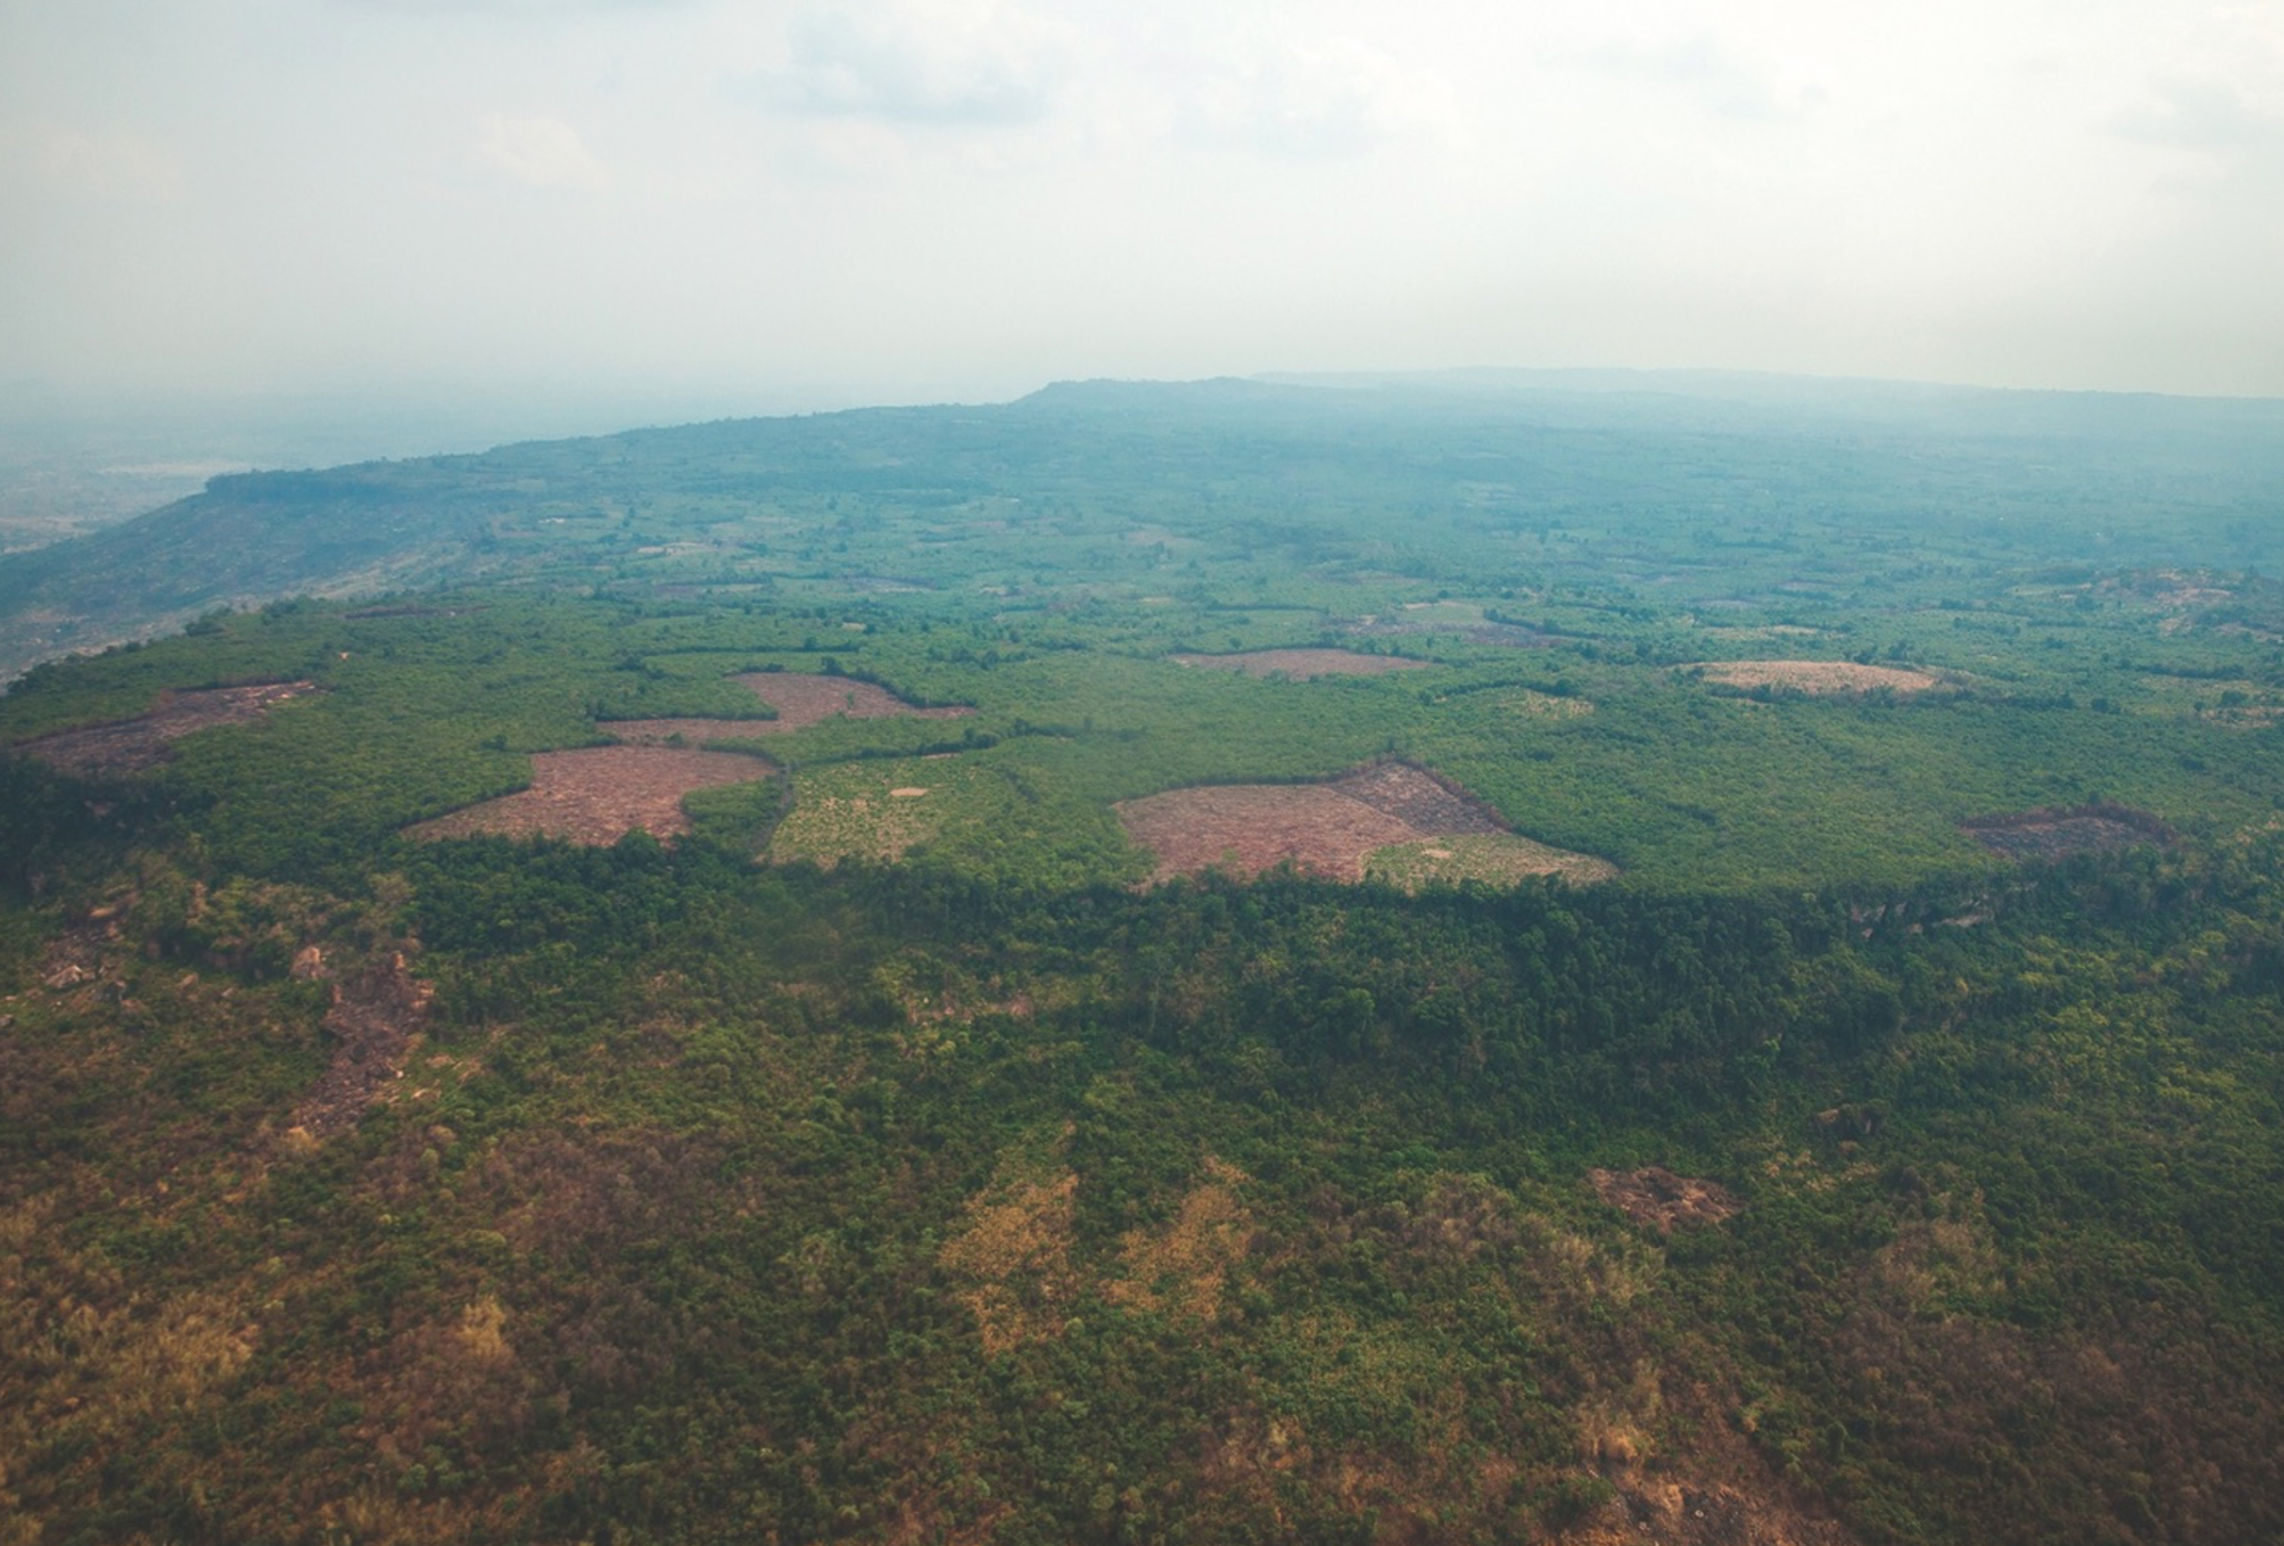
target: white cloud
1334 97
111 163
953 65
513 7
995 190
539 152
1713 76
2198 114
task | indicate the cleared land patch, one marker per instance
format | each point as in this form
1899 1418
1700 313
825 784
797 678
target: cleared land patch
1304 665
800 699
1819 678
136 745
1393 816
599 794
2056 834
687 732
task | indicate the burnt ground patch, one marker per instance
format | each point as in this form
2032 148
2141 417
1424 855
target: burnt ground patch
144 742
2054 833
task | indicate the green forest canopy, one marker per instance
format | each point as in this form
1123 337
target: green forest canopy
1888 1152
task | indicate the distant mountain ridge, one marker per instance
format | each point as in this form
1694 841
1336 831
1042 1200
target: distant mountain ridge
372 527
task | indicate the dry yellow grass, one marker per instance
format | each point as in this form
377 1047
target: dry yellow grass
1816 677
1185 1267
1498 859
482 1330
1015 1253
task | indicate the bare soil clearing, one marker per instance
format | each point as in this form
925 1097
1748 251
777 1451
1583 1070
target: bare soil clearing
687 732
1437 807
1304 665
2056 834
1338 830
1656 1196
139 744
601 793
800 699
1819 678
1248 828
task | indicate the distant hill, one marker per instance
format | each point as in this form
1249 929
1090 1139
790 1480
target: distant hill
2207 467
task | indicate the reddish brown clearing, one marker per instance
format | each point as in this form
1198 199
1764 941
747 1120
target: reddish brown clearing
1248 828
600 794
800 699
1417 797
1658 1197
1331 829
1303 665
134 745
687 732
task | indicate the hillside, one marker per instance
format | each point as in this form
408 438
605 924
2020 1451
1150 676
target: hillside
1474 959
1525 451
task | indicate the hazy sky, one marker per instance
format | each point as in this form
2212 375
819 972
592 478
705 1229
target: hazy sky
777 203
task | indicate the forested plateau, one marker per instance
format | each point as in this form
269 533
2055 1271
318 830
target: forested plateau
1472 958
